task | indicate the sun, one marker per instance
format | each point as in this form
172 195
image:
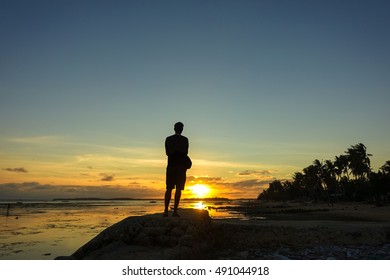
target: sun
199 190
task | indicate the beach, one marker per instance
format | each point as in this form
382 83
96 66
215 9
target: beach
309 230
281 231
246 229
43 230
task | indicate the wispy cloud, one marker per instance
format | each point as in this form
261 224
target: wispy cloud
204 179
35 190
107 178
222 164
255 172
219 181
16 170
231 187
99 159
249 183
241 189
45 139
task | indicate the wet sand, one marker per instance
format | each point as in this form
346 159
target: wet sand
291 230
311 211
47 233
45 230
307 230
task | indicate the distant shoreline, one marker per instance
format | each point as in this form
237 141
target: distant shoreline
9 200
129 198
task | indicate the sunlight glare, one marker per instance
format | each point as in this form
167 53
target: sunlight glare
200 190
200 206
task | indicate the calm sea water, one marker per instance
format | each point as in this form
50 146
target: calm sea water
38 230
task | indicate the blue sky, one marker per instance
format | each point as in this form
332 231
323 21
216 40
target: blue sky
260 85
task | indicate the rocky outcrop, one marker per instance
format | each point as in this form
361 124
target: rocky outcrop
196 236
152 237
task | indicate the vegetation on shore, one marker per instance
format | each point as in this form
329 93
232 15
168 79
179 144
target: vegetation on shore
349 177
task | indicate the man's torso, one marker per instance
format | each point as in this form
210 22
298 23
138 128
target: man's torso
176 148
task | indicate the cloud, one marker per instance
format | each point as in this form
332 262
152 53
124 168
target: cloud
241 189
35 190
132 184
255 172
221 183
246 183
233 187
17 170
250 183
107 178
206 180
39 140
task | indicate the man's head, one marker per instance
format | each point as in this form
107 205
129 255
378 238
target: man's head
179 127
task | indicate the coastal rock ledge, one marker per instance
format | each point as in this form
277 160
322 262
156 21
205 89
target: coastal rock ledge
196 236
151 237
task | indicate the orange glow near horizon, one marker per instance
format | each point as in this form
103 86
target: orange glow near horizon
199 190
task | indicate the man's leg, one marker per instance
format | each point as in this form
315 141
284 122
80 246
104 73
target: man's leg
168 194
177 200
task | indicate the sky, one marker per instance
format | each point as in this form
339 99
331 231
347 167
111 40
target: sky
89 91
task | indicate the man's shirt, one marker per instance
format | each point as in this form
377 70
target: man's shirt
176 148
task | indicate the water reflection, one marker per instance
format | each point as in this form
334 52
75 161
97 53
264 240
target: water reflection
200 206
47 230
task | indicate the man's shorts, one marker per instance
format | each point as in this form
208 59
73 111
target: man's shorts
176 177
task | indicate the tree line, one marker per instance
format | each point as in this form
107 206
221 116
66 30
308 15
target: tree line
349 177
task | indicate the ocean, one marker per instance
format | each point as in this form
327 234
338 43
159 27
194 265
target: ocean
43 230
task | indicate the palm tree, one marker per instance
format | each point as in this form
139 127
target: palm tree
386 168
275 191
341 166
359 161
328 177
312 179
298 178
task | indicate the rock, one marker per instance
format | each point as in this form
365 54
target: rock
195 236
280 257
65 258
186 240
176 231
151 237
243 255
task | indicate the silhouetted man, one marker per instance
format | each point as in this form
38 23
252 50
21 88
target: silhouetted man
176 148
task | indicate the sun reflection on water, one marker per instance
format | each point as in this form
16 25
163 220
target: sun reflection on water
200 205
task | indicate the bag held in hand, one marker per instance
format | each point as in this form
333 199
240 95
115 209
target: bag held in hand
188 162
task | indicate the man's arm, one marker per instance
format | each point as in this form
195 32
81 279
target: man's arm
187 146
166 146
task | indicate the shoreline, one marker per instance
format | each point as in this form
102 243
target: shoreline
304 211
42 230
284 231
